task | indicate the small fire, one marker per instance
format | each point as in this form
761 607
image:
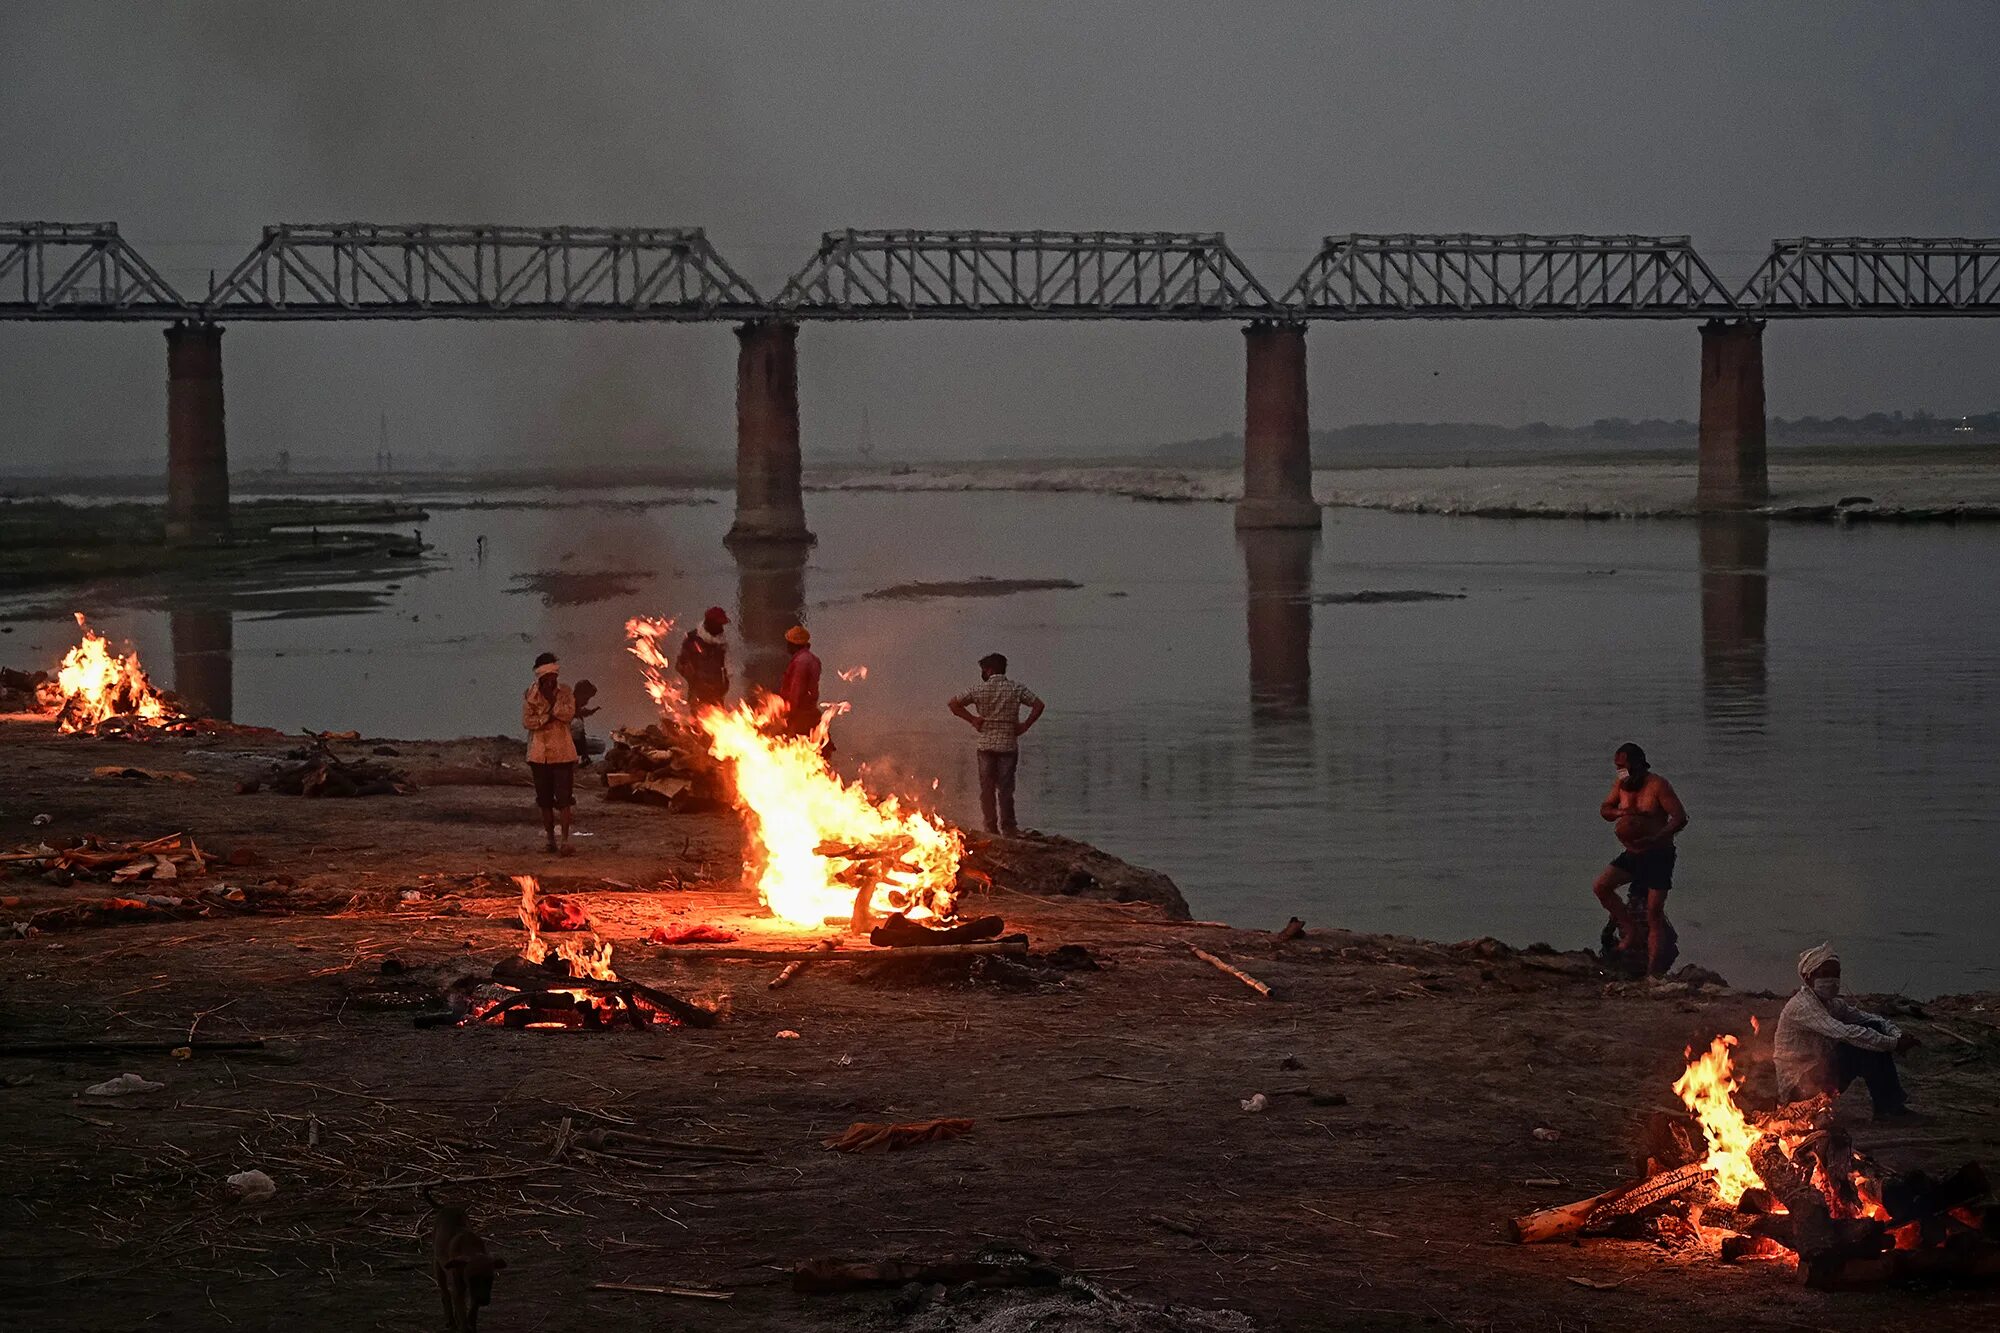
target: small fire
821 846
94 686
589 962
1709 1089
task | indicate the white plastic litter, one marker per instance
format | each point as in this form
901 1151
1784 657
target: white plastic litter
252 1186
123 1084
1255 1102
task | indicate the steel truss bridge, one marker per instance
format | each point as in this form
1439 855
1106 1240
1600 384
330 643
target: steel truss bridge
88 271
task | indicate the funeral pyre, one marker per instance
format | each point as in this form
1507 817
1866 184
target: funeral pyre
1787 1185
822 848
570 985
98 691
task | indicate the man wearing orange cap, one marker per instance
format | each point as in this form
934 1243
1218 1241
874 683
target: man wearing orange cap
704 660
800 686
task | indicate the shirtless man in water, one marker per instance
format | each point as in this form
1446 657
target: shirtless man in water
1646 813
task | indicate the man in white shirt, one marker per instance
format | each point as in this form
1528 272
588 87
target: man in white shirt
994 710
1823 1043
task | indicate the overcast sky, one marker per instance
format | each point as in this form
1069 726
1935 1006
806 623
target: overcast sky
192 125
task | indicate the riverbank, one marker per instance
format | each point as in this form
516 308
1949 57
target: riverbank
1850 486
1405 1082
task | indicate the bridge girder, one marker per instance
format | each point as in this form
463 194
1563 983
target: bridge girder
360 270
1827 276
79 270
1024 275
1462 276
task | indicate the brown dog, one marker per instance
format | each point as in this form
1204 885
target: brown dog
461 1267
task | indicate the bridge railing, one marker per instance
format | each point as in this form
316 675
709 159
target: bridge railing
430 270
1850 275
79 270
1414 276
1024 275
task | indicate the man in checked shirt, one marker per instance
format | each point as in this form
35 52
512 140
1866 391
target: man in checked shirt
994 711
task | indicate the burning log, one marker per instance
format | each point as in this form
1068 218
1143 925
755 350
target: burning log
1601 1210
518 971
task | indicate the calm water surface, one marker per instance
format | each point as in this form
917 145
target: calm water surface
1824 699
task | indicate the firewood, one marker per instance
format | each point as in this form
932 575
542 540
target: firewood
899 932
1238 973
1567 1219
1736 1249
1601 1210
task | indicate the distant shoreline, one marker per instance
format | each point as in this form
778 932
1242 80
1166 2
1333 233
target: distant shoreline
1857 483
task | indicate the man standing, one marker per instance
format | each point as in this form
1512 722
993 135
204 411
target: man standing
1823 1043
994 711
546 711
800 686
1646 814
704 660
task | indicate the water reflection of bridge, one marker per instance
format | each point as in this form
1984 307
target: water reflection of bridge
1733 557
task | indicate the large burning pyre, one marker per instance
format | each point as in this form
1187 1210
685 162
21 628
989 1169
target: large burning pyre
96 689
822 848
1788 1184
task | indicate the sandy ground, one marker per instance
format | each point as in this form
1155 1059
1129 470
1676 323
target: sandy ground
1382 1213
1582 489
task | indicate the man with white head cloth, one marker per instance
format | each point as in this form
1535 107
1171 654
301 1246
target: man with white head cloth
1824 1043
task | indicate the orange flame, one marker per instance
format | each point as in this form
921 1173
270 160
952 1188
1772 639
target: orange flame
1709 1090
93 686
591 961
817 841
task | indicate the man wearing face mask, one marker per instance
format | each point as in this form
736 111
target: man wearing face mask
1646 813
1824 1043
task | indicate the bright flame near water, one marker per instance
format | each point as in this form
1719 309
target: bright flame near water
94 685
818 841
1709 1087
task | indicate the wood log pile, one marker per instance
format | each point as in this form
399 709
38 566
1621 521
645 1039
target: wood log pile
663 765
318 771
1846 1221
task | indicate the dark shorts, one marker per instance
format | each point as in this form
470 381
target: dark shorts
555 785
1649 870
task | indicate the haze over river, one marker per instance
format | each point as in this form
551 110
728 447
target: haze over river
1826 699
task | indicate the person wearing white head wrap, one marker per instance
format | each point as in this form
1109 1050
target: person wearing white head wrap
547 708
1823 1043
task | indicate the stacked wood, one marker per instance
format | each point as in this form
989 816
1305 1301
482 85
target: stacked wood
551 975
663 765
899 932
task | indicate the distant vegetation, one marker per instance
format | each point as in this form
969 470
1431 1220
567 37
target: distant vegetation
1389 439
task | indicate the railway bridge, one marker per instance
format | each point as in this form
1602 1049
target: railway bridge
346 271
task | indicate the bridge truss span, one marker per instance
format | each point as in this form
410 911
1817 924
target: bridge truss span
1024 275
1853 275
79 270
1412 276
432 270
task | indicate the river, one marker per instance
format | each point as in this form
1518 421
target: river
1825 699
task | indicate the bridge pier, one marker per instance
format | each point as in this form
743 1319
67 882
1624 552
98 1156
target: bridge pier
197 447
1731 476
1277 440
770 504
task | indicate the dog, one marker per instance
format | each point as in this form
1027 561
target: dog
461 1267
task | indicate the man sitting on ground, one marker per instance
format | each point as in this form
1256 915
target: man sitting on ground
1824 1043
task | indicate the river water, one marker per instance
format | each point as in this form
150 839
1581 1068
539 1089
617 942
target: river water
1826 700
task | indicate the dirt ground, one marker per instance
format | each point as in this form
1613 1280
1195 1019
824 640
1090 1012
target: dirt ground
1108 1133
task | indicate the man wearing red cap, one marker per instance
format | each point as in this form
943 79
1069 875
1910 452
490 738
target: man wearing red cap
704 660
800 686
